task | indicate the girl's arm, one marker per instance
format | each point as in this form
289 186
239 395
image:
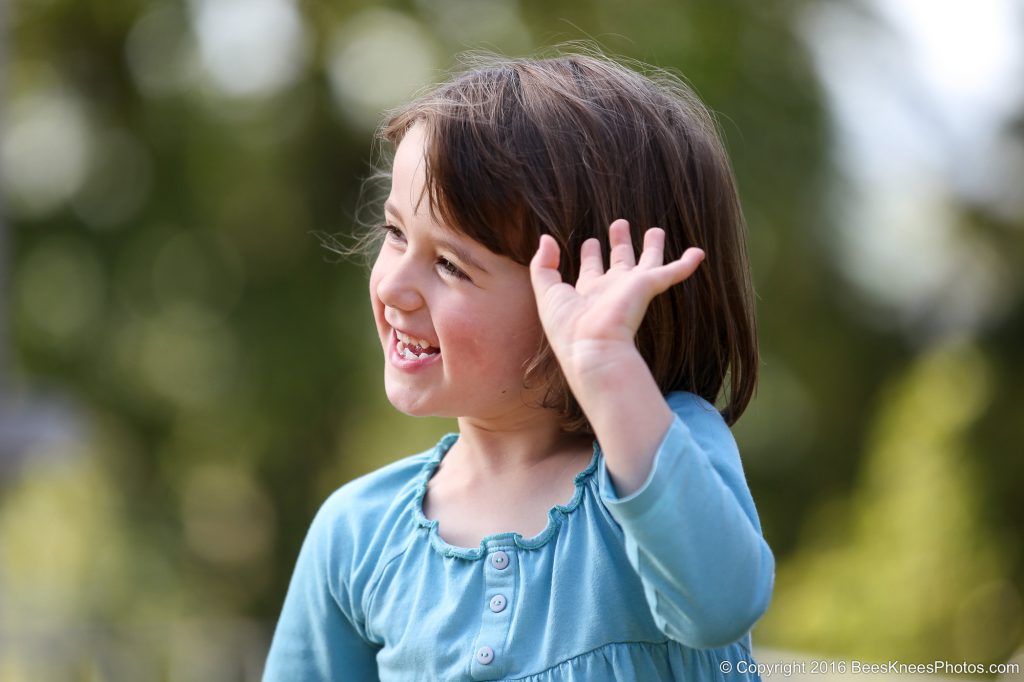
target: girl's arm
691 530
679 494
318 635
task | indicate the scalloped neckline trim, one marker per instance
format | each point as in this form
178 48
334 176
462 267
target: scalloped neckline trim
507 539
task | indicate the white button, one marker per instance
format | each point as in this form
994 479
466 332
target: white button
498 603
485 654
499 560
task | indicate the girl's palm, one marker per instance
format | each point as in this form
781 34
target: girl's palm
603 312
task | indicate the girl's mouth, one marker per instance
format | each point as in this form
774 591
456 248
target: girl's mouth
403 357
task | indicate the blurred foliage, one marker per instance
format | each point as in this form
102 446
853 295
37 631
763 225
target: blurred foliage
164 165
907 566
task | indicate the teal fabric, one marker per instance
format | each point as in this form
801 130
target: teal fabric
664 584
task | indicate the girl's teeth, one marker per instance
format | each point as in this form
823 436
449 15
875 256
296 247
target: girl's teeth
410 341
408 354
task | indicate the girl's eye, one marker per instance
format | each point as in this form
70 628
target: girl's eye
390 231
450 268
446 265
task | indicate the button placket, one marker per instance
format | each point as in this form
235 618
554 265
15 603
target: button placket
500 571
499 560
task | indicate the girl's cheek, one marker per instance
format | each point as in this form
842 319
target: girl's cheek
486 348
375 302
474 350
462 332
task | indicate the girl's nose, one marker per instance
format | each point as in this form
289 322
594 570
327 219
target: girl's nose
397 289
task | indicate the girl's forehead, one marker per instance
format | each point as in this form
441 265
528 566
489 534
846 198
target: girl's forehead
408 201
410 157
408 177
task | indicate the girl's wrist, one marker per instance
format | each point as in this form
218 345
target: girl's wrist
595 367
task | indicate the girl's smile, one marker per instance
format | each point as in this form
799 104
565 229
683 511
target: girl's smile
400 355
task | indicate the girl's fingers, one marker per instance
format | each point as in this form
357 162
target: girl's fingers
678 270
544 266
544 273
621 244
591 260
654 248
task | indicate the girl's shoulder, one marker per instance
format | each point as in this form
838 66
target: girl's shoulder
378 489
699 414
701 421
367 520
687 401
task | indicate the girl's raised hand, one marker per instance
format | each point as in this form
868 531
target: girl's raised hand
592 325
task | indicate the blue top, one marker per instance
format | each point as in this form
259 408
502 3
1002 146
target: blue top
663 584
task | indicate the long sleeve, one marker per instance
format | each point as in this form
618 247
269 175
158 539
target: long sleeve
692 533
319 635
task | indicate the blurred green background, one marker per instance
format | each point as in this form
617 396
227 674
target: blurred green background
186 373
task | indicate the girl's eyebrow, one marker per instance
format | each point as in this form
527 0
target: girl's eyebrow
459 252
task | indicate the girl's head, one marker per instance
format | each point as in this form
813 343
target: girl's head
511 148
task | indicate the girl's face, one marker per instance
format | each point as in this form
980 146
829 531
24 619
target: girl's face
482 316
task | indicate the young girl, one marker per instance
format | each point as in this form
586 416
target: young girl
590 520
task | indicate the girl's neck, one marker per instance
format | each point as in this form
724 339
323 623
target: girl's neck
484 453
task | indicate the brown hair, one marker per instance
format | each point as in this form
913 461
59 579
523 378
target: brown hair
564 145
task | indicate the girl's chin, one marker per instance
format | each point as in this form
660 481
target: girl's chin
414 405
